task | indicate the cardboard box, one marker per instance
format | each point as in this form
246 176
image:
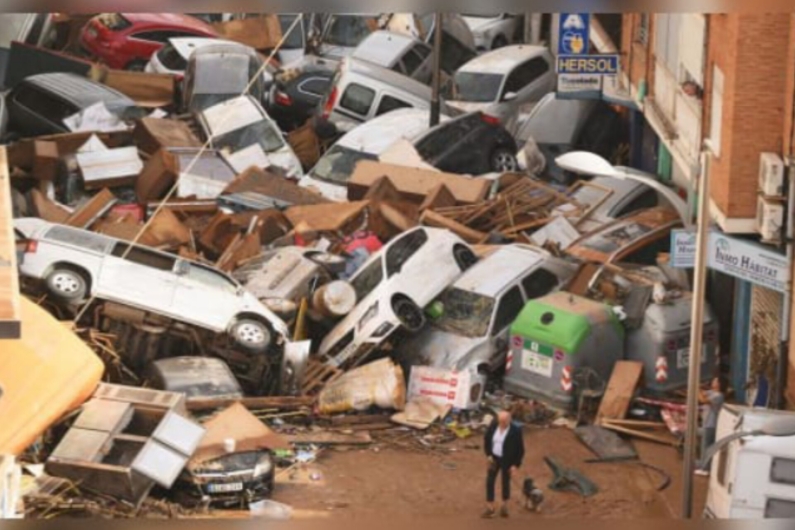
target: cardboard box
415 184
152 134
446 387
45 160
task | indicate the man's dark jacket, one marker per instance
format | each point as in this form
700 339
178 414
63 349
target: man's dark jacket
512 447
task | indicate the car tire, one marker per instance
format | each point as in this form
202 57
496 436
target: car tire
137 65
251 335
503 160
67 285
408 313
499 42
464 257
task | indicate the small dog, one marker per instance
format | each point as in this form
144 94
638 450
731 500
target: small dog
533 497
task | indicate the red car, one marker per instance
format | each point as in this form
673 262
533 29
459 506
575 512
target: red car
128 40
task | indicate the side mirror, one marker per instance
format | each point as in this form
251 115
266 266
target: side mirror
509 96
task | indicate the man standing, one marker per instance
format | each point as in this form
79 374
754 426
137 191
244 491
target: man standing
504 447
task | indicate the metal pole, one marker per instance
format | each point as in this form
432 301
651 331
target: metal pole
437 69
696 331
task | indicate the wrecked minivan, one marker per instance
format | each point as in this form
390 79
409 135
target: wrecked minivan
75 264
468 328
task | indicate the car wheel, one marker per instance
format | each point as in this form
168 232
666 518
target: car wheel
67 284
251 334
503 160
409 314
137 65
464 257
499 42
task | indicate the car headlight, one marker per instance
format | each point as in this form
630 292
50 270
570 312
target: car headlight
371 312
264 466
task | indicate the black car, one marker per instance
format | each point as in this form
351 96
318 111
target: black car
39 104
472 144
233 479
295 97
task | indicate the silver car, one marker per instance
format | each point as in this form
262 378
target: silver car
473 315
75 264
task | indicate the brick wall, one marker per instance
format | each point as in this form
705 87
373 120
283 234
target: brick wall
752 51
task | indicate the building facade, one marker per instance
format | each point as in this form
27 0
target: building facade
729 78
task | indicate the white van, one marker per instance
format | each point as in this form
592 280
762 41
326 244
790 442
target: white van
754 477
368 141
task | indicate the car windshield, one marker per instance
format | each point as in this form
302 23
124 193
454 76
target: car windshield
349 30
471 86
338 163
368 279
262 132
465 313
294 40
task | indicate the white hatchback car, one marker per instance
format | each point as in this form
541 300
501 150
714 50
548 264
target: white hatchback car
392 289
493 31
76 263
502 82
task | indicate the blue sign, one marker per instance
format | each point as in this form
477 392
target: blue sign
573 37
588 64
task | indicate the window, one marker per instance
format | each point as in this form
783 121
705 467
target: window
78 238
389 103
338 163
295 40
412 61
539 283
779 509
643 30
450 133
782 471
114 21
647 199
43 104
525 74
453 54
508 309
716 109
154 36
211 278
315 86
357 99
423 50
171 58
144 257
367 279
403 249
647 254
349 30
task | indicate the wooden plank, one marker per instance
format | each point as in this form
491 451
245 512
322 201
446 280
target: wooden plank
431 218
10 316
95 208
330 438
253 403
659 438
620 390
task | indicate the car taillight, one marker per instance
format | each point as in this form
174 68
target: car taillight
329 106
283 99
491 120
32 246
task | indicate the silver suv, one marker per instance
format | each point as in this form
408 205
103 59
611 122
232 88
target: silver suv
76 263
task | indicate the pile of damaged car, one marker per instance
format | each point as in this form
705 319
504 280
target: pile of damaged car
247 255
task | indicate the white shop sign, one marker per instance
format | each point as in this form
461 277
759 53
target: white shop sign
445 387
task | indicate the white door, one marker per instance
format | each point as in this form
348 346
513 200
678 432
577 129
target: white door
205 297
142 278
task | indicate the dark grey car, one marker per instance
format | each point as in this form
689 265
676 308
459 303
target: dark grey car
39 104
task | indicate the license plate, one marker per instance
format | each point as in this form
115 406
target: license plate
225 488
683 357
537 363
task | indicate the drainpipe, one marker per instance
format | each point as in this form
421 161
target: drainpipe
783 353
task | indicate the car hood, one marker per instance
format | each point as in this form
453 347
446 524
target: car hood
439 349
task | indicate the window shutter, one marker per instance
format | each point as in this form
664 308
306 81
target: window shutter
691 46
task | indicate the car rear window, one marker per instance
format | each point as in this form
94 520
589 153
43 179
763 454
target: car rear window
114 21
472 86
171 58
357 99
226 74
78 238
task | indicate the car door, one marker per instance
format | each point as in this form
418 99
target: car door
140 277
507 308
205 296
